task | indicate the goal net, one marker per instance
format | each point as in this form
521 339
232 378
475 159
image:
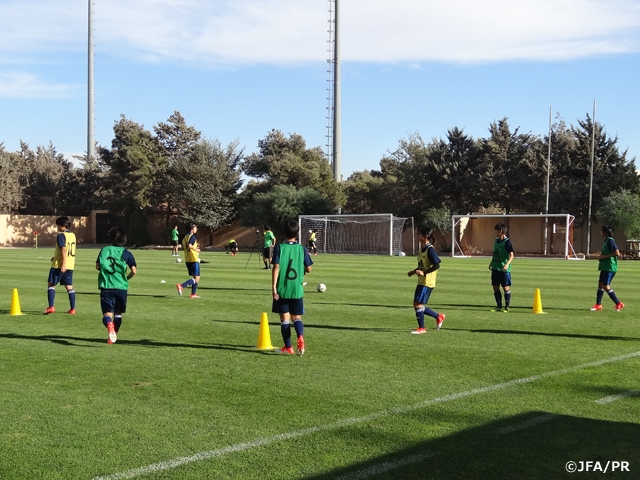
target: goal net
374 234
531 235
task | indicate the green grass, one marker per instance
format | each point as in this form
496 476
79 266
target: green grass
185 378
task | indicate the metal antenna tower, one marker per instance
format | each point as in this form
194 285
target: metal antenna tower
91 149
333 96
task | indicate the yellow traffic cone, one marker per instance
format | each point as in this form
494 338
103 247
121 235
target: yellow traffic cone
15 304
264 337
537 303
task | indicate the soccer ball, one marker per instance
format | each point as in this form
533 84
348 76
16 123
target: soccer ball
178 260
321 287
401 254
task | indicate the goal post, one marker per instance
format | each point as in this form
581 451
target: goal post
366 234
535 235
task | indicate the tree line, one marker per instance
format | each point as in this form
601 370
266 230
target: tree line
174 169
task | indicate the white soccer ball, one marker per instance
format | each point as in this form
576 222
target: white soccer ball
401 254
178 260
310 231
321 287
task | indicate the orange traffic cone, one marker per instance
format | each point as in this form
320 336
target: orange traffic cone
15 304
264 337
537 303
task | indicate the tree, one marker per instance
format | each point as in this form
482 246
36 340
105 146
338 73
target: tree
204 186
13 177
84 187
176 138
439 218
621 210
284 202
288 161
364 192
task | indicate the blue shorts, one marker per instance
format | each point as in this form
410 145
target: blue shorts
422 294
57 277
500 278
113 301
293 306
193 268
606 277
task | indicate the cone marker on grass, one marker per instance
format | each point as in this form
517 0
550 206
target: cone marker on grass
264 337
537 303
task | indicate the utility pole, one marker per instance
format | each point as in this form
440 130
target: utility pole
91 153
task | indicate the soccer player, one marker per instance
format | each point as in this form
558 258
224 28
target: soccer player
312 241
191 260
62 263
427 270
608 266
267 251
500 267
232 247
286 285
113 281
174 241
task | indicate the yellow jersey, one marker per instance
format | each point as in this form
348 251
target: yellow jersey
190 256
424 263
70 245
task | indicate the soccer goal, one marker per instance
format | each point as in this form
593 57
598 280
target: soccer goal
373 234
532 235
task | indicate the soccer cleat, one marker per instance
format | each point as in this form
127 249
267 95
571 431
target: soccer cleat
49 310
300 345
597 306
505 310
440 321
419 331
618 307
179 287
72 311
193 295
113 336
287 351
497 309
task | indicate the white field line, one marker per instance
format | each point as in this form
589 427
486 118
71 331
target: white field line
385 467
527 423
259 442
613 398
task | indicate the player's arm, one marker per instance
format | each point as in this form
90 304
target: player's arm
131 263
132 272
307 261
509 248
63 266
274 280
614 250
97 265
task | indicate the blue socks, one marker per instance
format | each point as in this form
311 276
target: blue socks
507 298
599 296
613 296
420 317
297 324
188 283
51 296
194 288
106 319
72 298
117 321
285 328
498 297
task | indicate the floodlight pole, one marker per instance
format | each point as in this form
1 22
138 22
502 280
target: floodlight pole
91 153
593 148
546 208
336 95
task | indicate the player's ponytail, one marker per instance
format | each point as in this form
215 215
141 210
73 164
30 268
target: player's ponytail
607 230
428 232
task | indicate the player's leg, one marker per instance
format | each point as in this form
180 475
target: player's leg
119 309
496 279
52 281
419 299
606 284
265 258
297 310
506 285
195 271
281 307
108 304
67 281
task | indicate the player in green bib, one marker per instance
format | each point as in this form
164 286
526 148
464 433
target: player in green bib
500 267
291 262
174 242
608 266
267 251
113 281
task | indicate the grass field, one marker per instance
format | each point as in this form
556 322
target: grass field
183 394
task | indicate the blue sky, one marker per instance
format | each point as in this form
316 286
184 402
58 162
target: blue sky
236 69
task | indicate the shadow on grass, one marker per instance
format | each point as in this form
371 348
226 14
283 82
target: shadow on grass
544 334
330 327
463 306
128 294
531 446
78 342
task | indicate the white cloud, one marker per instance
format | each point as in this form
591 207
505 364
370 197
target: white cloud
214 32
26 85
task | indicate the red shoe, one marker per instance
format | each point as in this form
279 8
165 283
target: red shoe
72 311
50 310
618 307
287 351
419 331
113 336
179 287
193 295
597 307
300 345
440 320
